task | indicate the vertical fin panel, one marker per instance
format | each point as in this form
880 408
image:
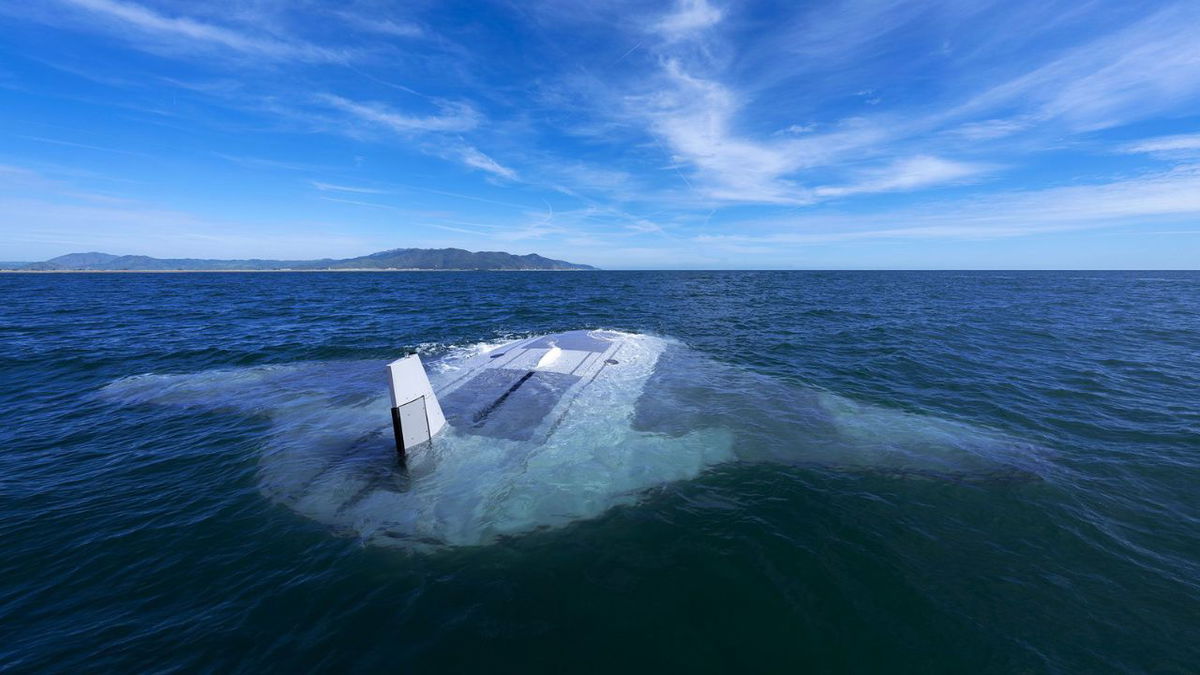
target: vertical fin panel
416 413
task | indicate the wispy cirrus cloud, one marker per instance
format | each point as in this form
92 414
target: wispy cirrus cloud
135 22
1153 197
382 25
699 118
331 187
86 146
689 18
357 202
1112 79
695 118
728 124
455 115
474 158
269 164
910 173
988 130
1179 144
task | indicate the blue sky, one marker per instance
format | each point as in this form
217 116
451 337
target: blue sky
856 134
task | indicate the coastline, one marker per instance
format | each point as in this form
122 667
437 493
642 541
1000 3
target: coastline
242 271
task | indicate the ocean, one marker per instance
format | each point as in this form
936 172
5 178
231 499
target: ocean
927 472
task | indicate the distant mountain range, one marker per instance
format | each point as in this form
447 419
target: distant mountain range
395 259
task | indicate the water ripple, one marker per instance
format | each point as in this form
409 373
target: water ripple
137 537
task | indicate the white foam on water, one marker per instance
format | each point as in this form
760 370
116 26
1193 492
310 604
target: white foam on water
882 438
330 454
785 422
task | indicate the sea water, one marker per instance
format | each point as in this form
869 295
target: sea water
830 471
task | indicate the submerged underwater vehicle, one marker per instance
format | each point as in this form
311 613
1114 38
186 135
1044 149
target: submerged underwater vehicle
501 440
520 392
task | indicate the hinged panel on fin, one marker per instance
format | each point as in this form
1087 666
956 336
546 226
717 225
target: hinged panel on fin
416 414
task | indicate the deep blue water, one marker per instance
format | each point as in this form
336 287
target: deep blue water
136 536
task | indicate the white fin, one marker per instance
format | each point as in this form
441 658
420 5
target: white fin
416 414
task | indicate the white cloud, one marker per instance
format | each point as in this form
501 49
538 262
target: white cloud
1166 145
151 23
261 163
907 174
382 26
86 146
705 119
435 135
474 158
987 130
456 116
798 129
1136 72
360 203
690 17
695 117
330 187
642 226
1166 196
